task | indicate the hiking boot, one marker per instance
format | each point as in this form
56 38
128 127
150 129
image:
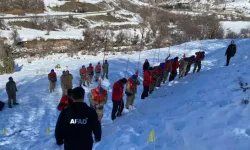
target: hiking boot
10 106
15 103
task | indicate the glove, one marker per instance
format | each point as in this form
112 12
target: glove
59 143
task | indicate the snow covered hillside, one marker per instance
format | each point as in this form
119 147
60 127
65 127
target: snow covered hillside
202 111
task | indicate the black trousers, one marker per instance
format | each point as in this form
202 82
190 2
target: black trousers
197 64
228 59
118 107
145 92
188 69
173 75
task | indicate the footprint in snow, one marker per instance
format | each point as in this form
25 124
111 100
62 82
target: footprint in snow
248 131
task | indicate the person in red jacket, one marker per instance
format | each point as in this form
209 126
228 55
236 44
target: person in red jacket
167 69
66 101
98 69
52 80
117 98
146 83
175 66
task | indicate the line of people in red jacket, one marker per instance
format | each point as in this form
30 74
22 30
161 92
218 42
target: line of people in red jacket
152 77
155 76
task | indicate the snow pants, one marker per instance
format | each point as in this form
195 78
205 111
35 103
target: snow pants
105 74
99 114
182 71
159 80
151 87
145 92
52 86
173 75
197 64
228 59
118 107
97 76
65 89
165 76
11 97
83 80
90 77
130 100
188 69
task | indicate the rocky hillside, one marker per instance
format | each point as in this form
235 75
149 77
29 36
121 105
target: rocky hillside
91 26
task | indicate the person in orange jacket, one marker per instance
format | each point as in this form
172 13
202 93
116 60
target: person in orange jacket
199 57
98 98
52 80
83 76
131 89
98 69
90 71
146 83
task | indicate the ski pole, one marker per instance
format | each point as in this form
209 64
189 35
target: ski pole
126 68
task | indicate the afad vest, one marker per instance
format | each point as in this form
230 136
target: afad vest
199 56
90 69
83 71
98 67
132 84
99 97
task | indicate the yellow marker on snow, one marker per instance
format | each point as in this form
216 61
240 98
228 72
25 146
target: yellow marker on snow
47 131
4 131
151 137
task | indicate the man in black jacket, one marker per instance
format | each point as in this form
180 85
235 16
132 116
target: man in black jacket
76 124
231 50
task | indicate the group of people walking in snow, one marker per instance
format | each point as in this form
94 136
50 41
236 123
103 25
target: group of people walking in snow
78 121
86 76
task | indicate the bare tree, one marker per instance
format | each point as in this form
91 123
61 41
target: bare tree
245 33
49 24
120 38
6 57
15 37
231 35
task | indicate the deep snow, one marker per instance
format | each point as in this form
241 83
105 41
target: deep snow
199 112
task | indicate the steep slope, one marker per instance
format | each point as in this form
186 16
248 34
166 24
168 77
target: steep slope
199 112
